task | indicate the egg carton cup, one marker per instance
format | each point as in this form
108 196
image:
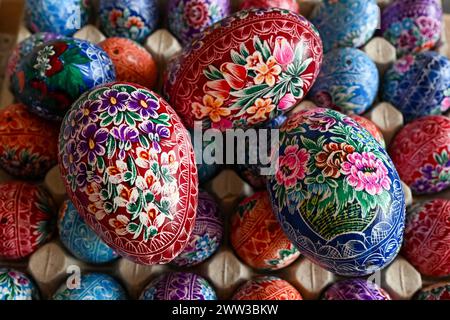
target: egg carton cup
51 265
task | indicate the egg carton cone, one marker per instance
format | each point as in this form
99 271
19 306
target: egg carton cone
52 265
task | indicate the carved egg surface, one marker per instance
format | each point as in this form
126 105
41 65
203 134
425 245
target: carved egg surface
267 288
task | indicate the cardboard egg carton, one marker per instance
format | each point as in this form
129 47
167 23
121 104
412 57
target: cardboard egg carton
52 264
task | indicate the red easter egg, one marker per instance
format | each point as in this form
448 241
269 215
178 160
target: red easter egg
129 169
369 126
28 143
267 288
245 70
420 152
427 237
26 214
266 4
257 237
132 62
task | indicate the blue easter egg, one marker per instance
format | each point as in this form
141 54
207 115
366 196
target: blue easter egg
55 74
92 286
15 285
348 81
346 23
337 194
419 85
57 17
80 239
133 19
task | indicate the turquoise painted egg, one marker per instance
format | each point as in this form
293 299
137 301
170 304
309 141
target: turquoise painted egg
337 194
15 285
92 286
55 74
348 81
57 17
346 23
80 239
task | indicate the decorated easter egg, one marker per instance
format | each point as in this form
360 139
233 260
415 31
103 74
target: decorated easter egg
133 19
28 144
412 25
207 234
205 154
246 70
80 239
267 288
91 286
15 285
25 47
337 194
418 85
132 62
291 5
256 235
26 219
53 16
371 127
348 81
427 237
129 169
355 289
420 152
439 291
56 73
346 23
178 286
188 18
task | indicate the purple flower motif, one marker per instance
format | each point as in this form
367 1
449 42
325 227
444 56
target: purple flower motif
428 171
143 104
82 175
88 112
113 101
93 138
126 135
155 133
71 157
320 122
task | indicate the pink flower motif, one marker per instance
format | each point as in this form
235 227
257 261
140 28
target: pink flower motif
445 104
404 64
320 122
234 74
365 171
287 102
292 166
429 27
283 52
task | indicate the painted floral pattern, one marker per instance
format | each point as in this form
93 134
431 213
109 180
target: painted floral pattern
440 291
263 73
337 194
129 169
266 288
355 289
15 285
291 5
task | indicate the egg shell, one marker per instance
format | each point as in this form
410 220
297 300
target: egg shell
25 47
439 291
55 74
79 239
52 16
342 215
28 144
207 235
257 237
92 286
129 169
371 127
178 286
188 18
346 23
266 288
15 285
291 5
348 81
131 61
418 85
355 289
412 25
420 152
133 19
26 219
427 237
216 79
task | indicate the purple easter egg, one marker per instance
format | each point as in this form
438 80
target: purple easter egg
355 289
412 25
178 286
188 18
